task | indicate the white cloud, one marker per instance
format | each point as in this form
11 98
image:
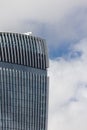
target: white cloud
13 13
68 91
64 20
39 10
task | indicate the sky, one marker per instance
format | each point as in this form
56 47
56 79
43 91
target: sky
64 26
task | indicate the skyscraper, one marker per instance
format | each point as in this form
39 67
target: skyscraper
23 82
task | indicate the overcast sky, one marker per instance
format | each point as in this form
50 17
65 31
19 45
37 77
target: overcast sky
63 23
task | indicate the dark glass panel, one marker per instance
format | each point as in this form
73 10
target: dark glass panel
18 48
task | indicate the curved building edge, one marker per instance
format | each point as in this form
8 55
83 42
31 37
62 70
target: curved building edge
23 49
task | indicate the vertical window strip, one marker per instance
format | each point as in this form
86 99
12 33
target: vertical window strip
35 107
33 94
42 54
21 83
17 96
28 115
13 94
21 57
15 45
38 78
2 100
8 99
26 50
35 45
34 51
20 97
47 98
42 49
11 47
14 48
13 97
7 85
44 102
35 84
0 48
44 59
7 47
36 102
23 49
2 53
5 100
38 51
4 47
31 100
8 80
16 42
46 55
4 108
40 104
18 47
24 99
42 107
31 50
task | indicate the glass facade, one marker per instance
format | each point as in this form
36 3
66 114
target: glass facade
23 82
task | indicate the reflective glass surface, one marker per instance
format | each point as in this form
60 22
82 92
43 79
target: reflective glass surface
23 99
23 82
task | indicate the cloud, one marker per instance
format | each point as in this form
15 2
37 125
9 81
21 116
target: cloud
47 10
59 22
13 14
68 90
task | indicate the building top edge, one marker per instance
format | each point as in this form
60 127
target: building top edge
25 34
